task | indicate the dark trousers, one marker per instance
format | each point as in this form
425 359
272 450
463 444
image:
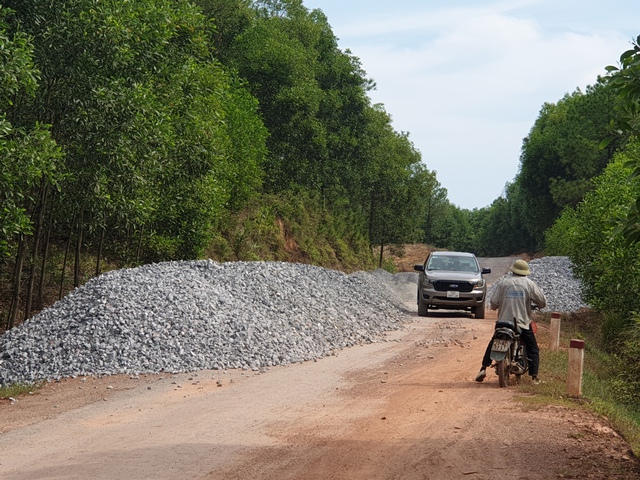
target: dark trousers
533 352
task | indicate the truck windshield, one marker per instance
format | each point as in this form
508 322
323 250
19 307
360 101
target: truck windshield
453 264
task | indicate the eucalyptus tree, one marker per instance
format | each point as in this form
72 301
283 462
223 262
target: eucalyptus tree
280 71
231 18
497 235
502 228
562 153
452 228
344 112
17 74
609 269
395 182
147 118
312 95
436 205
30 159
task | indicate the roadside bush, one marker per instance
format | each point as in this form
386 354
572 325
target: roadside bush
629 388
608 268
560 238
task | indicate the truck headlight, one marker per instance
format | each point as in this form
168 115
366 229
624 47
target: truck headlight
427 283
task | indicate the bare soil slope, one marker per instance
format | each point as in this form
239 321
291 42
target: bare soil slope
405 408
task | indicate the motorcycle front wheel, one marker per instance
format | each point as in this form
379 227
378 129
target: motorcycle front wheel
503 369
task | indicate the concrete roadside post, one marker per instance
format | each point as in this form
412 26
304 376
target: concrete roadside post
554 331
576 363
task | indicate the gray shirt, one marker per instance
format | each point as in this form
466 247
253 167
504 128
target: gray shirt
513 297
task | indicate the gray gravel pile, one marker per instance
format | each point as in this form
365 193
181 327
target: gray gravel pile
185 316
554 276
404 285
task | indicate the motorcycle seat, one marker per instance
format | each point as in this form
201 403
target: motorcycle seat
508 325
504 333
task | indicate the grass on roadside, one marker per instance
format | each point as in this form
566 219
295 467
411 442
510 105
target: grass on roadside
600 382
13 391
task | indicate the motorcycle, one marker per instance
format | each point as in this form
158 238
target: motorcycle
508 352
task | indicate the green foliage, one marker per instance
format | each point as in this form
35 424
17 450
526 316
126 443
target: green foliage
501 228
559 158
159 138
612 330
247 146
608 266
18 74
29 156
395 185
610 271
230 18
451 227
562 153
560 238
281 73
438 223
171 122
625 81
628 387
324 136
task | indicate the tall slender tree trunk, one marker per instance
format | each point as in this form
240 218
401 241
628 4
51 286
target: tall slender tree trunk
76 269
372 202
428 237
64 265
36 247
383 235
381 254
139 249
17 280
43 264
100 245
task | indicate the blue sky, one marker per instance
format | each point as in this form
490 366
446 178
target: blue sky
467 79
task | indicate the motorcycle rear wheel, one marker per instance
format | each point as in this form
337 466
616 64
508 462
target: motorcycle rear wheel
503 369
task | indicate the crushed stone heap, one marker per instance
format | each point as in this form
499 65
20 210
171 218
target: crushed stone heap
191 315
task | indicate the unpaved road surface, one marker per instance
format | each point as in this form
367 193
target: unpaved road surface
406 408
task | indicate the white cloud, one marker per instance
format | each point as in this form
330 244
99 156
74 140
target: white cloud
468 82
471 83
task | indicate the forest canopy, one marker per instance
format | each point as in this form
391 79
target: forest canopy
151 130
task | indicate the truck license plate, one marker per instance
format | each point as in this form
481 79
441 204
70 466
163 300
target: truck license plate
453 294
500 345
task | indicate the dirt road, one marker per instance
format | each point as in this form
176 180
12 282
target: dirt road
406 408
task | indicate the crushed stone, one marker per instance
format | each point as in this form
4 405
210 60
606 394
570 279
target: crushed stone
191 315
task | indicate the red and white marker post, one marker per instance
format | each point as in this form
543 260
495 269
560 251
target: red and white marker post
554 332
576 364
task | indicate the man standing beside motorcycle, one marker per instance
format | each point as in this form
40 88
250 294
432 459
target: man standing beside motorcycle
513 298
